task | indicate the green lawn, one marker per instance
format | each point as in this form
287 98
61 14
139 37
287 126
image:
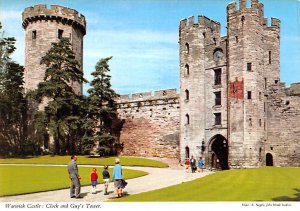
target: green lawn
124 161
262 184
28 179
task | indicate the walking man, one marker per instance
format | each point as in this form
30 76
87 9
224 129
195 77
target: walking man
75 178
117 177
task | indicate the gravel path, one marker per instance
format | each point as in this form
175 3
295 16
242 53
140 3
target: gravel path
156 179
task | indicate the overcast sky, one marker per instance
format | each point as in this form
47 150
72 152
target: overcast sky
142 36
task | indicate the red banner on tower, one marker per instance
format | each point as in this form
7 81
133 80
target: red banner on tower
236 89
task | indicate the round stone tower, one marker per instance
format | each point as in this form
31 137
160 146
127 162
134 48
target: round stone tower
44 26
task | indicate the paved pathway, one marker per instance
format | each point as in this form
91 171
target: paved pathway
156 179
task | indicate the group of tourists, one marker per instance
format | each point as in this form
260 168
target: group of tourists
193 165
117 177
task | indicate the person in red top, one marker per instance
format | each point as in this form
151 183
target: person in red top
187 165
94 180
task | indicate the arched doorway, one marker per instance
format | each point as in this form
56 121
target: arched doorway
187 152
269 159
219 152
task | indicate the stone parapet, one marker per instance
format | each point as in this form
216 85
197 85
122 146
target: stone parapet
56 12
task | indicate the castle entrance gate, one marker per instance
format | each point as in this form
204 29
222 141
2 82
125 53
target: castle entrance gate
218 153
269 159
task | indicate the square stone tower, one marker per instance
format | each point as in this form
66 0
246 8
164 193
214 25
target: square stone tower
223 83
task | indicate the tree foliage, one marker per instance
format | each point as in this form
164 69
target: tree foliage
102 108
13 105
64 107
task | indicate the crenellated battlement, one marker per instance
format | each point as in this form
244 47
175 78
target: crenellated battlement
146 96
255 5
275 23
202 21
56 12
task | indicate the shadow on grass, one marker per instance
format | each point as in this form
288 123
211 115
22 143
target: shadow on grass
286 198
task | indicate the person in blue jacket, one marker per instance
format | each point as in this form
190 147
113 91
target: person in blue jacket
117 177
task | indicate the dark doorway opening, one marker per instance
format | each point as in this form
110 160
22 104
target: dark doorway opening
269 159
219 156
187 152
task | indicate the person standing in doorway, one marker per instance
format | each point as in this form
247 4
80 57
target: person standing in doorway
74 177
117 177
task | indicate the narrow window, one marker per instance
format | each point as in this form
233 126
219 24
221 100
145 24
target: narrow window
187 69
187 48
243 20
250 122
217 76
249 66
217 98
264 107
187 119
265 83
259 94
276 81
264 125
204 35
215 41
187 94
60 33
34 34
270 57
217 118
236 39
249 95
259 122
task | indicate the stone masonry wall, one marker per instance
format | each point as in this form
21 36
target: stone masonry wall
151 124
283 126
42 27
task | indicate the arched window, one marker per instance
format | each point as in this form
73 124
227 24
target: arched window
187 69
187 48
187 94
187 119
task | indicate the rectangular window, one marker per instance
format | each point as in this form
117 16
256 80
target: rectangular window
249 66
34 34
259 95
265 83
259 122
60 33
249 95
270 57
218 76
217 118
217 98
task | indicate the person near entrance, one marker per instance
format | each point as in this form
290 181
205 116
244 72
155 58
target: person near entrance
200 164
75 178
187 165
193 164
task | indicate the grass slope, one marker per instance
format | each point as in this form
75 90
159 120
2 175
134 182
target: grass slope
262 184
29 179
125 161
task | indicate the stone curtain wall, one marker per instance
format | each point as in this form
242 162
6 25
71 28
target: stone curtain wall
283 126
151 124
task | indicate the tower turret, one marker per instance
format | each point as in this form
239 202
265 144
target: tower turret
44 26
247 75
